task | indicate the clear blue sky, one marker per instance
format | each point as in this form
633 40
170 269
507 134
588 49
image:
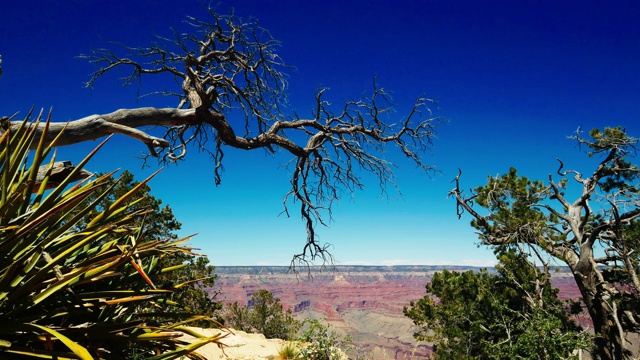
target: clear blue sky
513 79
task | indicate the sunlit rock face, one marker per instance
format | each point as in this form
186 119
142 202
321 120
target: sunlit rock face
364 302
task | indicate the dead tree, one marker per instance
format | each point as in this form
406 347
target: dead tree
596 235
226 67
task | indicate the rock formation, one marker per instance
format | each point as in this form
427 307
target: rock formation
364 302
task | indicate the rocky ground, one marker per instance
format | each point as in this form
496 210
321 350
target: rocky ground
239 346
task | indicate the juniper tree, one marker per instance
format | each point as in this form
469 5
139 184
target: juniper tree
593 231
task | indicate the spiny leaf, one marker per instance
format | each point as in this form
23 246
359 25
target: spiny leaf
182 351
77 349
119 202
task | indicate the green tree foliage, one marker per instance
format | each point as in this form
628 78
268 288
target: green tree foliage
192 278
592 229
74 277
502 315
264 314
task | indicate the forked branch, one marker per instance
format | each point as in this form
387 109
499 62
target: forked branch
225 64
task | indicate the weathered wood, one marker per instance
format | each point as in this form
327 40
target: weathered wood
123 121
226 66
59 171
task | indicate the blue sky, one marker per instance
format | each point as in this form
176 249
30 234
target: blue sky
513 79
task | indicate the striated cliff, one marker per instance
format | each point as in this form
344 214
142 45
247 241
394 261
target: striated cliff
364 302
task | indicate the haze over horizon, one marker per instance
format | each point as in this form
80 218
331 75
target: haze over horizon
511 79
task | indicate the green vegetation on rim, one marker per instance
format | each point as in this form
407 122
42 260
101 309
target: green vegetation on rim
511 314
191 277
592 228
264 314
75 278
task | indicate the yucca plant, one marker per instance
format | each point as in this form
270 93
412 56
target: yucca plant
288 351
75 283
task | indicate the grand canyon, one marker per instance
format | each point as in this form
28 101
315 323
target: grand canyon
364 302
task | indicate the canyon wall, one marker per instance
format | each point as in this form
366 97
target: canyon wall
364 302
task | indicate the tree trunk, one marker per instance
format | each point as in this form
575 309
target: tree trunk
608 343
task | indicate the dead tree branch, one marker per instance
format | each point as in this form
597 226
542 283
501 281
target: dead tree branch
225 66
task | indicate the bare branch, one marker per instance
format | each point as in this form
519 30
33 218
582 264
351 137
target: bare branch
224 65
57 172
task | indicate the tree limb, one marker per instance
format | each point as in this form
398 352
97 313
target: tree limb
225 65
59 171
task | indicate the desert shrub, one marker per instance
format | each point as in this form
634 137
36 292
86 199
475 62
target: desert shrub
288 352
74 277
322 344
264 314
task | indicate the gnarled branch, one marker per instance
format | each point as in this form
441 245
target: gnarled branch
225 64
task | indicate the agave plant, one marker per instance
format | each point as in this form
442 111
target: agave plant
75 279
